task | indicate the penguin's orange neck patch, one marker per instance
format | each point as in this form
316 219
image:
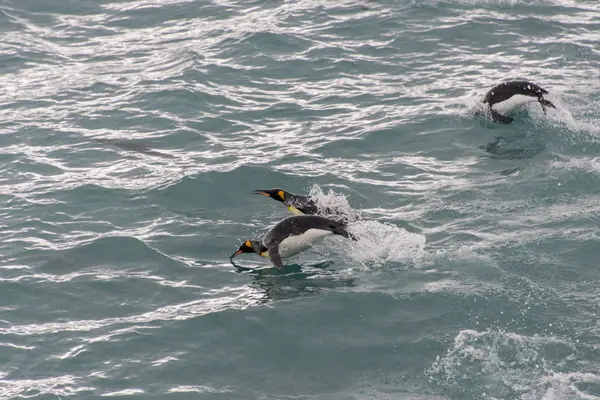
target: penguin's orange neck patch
280 193
248 244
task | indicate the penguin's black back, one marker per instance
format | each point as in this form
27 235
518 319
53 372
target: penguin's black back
304 203
298 224
506 90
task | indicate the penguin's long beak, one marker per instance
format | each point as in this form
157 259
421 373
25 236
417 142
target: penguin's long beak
235 254
262 192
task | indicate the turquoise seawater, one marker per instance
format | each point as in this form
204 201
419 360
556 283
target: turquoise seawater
133 133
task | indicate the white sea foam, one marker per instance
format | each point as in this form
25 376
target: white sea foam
494 364
381 242
378 242
332 200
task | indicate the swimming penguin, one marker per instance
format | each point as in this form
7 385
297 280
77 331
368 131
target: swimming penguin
291 236
507 96
295 203
304 205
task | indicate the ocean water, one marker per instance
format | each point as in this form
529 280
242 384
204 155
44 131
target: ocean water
132 134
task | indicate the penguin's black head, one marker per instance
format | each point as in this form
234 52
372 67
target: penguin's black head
249 246
276 194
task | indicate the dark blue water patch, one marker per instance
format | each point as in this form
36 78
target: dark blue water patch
133 146
103 278
532 262
539 26
272 43
364 27
340 102
94 200
95 90
132 125
79 32
236 46
588 388
334 9
35 140
151 15
223 11
32 169
127 252
384 353
286 110
70 160
8 22
297 281
211 191
571 267
27 105
186 101
290 110
249 337
565 185
11 175
323 64
223 75
405 138
536 301
224 126
584 51
41 9
102 291
16 61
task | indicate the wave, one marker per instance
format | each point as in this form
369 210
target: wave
494 364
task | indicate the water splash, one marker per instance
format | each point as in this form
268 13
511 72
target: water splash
378 242
495 364
333 201
381 242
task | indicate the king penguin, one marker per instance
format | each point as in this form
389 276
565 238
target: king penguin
291 236
295 203
304 205
507 96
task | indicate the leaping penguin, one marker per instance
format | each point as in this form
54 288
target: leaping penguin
291 236
507 96
295 203
304 205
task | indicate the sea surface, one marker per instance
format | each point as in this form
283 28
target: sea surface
132 136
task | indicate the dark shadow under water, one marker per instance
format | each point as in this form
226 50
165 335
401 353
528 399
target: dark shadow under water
520 140
132 146
502 148
296 280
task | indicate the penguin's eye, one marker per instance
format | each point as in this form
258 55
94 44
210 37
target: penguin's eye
280 193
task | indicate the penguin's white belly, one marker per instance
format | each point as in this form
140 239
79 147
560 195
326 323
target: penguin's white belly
293 245
513 103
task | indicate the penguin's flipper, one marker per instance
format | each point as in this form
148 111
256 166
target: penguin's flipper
275 257
497 117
